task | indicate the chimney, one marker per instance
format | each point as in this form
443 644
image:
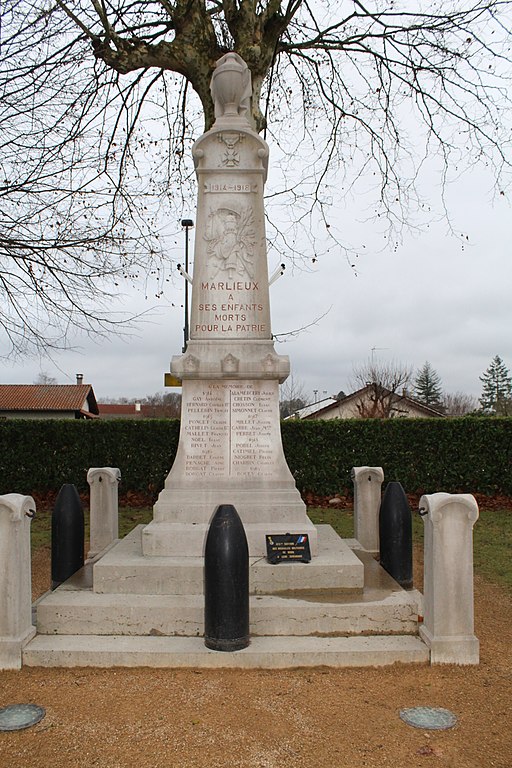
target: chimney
79 379
137 407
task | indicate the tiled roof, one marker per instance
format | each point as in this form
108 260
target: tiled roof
121 409
47 397
136 411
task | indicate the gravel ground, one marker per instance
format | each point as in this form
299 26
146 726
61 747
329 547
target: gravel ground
319 718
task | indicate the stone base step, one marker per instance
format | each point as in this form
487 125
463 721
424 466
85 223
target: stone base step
262 653
166 539
322 613
124 569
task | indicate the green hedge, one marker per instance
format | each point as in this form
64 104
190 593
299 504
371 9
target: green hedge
38 456
471 455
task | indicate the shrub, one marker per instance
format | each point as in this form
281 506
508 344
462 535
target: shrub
470 455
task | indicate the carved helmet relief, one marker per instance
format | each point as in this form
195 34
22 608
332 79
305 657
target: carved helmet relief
230 237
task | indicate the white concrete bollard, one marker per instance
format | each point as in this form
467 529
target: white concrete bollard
16 512
448 624
104 508
367 496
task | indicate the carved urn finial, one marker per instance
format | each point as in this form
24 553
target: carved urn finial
231 87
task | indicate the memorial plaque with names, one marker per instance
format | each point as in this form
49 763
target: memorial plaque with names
230 430
288 546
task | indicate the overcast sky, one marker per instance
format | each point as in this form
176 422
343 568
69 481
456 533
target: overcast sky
438 297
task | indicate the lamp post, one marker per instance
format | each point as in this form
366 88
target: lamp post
187 224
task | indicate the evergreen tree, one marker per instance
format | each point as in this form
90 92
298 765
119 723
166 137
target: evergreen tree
427 386
496 398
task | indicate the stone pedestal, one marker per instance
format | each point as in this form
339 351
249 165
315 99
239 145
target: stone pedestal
16 512
367 497
230 449
448 625
104 507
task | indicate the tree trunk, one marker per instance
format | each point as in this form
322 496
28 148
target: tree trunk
196 48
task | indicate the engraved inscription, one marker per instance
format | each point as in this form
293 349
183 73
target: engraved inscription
205 425
229 430
227 187
231 309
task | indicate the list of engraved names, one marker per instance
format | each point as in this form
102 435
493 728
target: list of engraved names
228 429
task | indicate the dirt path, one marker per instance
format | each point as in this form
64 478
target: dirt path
317 718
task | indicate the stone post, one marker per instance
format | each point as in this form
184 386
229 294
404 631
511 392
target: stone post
16 512
448 625
104 507
367 496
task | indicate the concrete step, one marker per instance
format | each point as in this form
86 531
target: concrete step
316 613
125 609
170 539
263 652
125 570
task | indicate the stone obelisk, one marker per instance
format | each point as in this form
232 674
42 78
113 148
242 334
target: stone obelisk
230 449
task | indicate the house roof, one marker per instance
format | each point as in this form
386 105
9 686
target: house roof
48 397
312 412
136 410
122 409
313 408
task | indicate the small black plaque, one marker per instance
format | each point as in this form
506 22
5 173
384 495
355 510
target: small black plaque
288 546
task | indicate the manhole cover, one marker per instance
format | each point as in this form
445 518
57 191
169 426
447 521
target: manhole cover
429 718
18 716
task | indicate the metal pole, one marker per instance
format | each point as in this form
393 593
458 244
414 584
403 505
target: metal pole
187 223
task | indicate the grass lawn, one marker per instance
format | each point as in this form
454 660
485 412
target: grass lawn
492 535
492 539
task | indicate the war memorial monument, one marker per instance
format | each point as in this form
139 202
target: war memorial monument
139 601
230 447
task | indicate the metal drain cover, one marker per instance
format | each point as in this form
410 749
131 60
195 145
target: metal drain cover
18 716
429 718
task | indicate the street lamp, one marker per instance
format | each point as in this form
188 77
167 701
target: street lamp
186 224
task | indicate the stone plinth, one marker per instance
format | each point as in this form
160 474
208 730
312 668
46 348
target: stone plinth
16 512
124 569
448 625
367 497
104 507
230 452
230 449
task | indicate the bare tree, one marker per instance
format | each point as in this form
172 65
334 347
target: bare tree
166 405
292 396
458 404
385 386
100 102
43 378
